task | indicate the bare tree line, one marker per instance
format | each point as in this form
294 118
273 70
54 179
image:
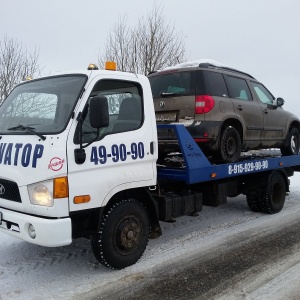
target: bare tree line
16 63
151 45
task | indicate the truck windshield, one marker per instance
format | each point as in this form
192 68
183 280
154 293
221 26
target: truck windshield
41 106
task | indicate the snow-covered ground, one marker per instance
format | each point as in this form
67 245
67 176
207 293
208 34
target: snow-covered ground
31 272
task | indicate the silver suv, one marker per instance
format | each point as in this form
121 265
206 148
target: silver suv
225 110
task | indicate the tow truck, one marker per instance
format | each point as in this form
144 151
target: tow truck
78 158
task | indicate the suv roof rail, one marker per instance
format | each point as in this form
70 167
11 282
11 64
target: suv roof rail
209 65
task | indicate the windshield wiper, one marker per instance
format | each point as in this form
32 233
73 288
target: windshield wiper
170 94
27 128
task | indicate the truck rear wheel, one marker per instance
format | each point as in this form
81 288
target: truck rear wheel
254 203
123 235
272 200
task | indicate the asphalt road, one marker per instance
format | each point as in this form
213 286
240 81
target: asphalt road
221 271
241 267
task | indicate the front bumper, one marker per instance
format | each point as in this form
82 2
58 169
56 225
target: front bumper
49 232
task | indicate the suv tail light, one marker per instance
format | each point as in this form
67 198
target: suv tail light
204 104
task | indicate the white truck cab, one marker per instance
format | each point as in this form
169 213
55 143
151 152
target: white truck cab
56 170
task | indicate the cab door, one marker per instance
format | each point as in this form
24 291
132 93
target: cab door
123 155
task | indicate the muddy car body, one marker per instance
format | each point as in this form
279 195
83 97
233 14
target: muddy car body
225 110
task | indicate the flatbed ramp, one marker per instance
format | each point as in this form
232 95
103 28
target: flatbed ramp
197 168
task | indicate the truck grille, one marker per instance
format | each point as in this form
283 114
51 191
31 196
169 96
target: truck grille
9 190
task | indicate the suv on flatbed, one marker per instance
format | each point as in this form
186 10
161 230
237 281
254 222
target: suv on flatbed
225 110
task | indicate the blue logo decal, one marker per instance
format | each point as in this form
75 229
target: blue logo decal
25 155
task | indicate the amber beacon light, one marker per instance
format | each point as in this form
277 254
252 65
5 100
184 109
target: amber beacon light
110 65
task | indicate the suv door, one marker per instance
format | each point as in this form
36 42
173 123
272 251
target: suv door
274 117
247 109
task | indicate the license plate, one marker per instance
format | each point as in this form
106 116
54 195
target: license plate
171 117
0 217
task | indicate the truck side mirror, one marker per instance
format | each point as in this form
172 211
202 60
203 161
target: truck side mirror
98 112
279 102
99 117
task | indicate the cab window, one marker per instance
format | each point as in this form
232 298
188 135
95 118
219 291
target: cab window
125 108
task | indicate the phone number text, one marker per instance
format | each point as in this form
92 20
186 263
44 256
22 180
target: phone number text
117 153
247 167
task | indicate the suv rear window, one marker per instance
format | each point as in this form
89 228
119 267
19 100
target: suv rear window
175 83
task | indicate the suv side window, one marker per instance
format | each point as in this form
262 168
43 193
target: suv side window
217 84
238 88
262 93
211 83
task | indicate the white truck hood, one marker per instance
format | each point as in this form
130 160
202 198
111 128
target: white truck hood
27 159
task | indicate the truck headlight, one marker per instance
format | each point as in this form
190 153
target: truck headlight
41 193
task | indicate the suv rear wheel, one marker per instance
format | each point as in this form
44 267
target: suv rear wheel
230 145
293 142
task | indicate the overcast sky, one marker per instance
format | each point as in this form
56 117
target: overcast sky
260 37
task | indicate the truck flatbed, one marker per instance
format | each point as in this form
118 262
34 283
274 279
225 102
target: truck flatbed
199 169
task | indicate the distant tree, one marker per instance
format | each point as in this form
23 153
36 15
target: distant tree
16 63
153 44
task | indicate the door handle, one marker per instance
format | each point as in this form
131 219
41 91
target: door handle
266 111
152 147
240 107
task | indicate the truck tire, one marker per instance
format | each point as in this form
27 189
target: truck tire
123 235
230 145
293 142
254 203
272 200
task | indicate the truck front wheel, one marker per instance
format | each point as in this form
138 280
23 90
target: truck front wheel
123 235
273 198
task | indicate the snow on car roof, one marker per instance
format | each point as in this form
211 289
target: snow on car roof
195 63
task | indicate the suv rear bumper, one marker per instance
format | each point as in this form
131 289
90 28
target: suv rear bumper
49 232
204 132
